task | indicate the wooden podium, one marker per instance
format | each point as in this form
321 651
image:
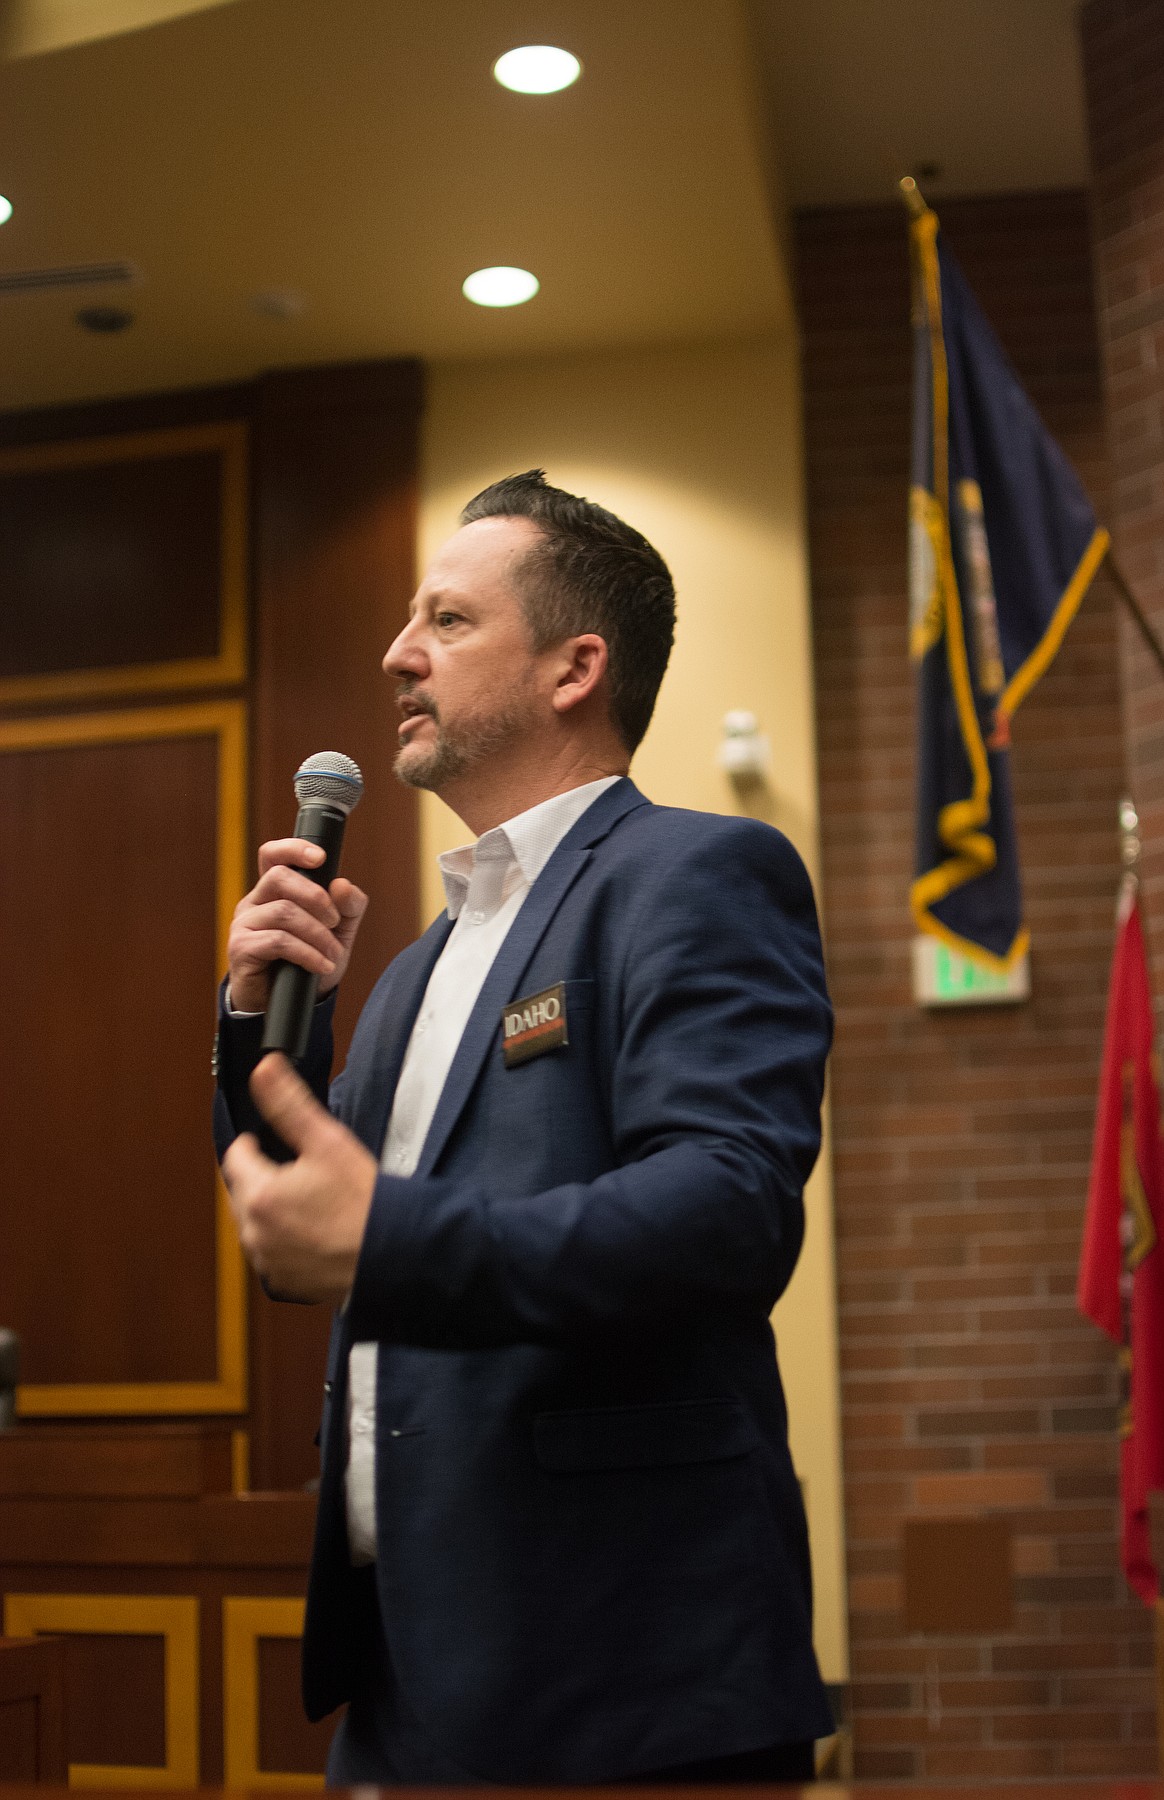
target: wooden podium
159 1611
32 1710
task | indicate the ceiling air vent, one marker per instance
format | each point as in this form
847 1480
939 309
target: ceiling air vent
69 275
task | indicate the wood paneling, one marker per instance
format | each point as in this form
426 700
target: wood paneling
123 564
73 598
134 834
268 1743
55 425
115 1698
19 1729
335 498
32 1710
103 1060
254 1531
161 1625
129 826
91 1553
335 570
287 1742
115 1462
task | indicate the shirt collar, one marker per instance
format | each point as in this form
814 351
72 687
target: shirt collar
529 840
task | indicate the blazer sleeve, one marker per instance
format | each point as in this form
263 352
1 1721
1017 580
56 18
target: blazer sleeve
715 1081
237 1051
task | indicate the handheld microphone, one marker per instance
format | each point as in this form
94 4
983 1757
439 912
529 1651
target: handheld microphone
327 787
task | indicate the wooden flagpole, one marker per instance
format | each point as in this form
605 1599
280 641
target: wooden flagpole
1136 610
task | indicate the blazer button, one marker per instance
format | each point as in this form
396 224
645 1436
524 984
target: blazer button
327 1387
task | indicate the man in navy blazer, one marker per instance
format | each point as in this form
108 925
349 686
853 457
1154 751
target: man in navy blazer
557 1193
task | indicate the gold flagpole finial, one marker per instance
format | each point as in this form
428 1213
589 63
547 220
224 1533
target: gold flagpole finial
911 194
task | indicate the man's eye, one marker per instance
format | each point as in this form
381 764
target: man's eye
444 619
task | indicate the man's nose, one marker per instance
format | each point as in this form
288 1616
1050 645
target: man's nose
405 654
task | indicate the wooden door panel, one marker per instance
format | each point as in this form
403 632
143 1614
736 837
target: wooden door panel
123 563
120 1272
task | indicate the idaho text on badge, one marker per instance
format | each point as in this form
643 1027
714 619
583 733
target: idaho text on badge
534 1025
1003 546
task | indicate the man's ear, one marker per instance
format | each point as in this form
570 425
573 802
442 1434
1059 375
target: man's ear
581 667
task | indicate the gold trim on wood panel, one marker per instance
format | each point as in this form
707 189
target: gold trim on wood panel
244 1622
225 720
172 1617
240 1462
229 665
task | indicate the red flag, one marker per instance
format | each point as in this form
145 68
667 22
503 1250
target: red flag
1121 1268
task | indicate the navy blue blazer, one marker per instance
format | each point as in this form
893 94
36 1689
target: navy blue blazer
592 1555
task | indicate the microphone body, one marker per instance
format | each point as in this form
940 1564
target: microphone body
293 989
327 787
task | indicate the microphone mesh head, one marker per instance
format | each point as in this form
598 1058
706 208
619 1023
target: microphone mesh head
329 779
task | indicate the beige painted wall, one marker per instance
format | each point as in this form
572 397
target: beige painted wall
700 449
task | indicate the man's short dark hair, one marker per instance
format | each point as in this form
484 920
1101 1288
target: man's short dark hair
591 573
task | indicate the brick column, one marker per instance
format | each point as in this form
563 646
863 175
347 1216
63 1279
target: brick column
1123 52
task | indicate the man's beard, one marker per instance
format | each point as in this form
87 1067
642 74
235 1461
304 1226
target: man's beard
459 748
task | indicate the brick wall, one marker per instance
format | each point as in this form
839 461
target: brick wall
969 1383
1123 42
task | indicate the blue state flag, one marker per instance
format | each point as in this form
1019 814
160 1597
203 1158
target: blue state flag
1003 546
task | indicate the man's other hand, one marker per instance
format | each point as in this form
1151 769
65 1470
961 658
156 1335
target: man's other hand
301 1223
287 918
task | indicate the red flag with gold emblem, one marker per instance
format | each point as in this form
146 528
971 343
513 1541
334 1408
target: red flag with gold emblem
1121 1268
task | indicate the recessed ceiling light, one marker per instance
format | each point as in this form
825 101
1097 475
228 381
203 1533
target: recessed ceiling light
537 69
501 286
5 210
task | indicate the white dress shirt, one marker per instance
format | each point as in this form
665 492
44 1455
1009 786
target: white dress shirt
485 887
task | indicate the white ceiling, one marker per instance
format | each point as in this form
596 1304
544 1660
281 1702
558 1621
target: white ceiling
358 151
862 91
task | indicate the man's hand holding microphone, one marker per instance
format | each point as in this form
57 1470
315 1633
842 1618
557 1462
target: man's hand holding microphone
289 918
300 1223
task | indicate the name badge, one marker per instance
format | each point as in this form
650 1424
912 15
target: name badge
534 1025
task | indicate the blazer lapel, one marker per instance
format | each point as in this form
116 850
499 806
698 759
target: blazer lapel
393 1027
527 931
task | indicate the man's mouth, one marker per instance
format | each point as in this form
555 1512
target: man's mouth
413 707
